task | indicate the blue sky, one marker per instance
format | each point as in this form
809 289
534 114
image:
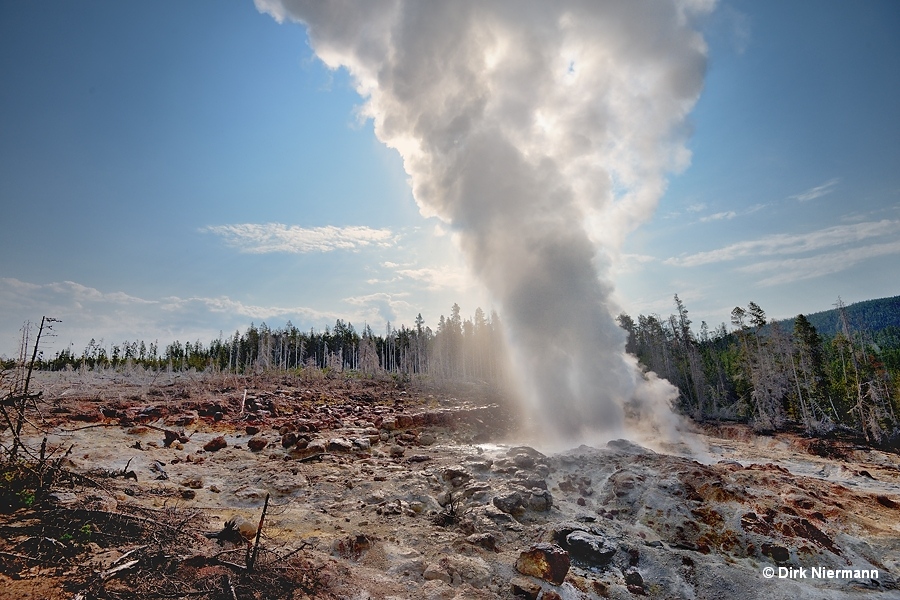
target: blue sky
796 149
170 170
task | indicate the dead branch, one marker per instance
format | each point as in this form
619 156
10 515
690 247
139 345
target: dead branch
231 565
91 426
101 516
23 557
228 587
303 546
312 457
259 528
109 574
123 473
129 553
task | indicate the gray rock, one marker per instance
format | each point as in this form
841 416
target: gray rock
456 476
527 450
476 491
340 444
590 548
633 577
524 588
523 461
496 515
480 465
472 570
627 447
434 571
532 483
540 501
484 540
361 443
511 503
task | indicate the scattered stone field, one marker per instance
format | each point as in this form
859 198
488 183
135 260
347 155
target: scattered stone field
377 489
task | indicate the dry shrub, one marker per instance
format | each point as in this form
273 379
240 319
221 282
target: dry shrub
160 554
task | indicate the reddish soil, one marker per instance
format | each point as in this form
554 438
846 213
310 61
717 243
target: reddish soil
383 490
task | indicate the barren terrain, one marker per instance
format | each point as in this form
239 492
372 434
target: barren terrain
378 489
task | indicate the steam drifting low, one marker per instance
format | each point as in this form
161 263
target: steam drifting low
542 133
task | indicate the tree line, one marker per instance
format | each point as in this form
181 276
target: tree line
758 371
460 349
775 378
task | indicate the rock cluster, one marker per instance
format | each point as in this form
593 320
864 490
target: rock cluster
421 511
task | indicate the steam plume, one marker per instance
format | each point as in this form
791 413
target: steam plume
542 132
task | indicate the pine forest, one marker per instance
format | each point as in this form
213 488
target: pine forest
843 376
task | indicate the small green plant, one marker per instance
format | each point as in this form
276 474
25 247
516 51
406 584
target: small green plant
26 497
81 536
18 487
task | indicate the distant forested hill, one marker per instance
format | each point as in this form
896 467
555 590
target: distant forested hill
870 315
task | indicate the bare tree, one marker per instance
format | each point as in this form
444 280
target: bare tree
15 403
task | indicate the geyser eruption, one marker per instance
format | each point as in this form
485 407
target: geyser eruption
542 133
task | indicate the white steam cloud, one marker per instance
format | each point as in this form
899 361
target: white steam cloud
542 133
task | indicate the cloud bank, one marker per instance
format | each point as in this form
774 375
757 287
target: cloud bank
88 313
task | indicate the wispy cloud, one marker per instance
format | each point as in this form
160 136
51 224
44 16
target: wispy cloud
75 294
437 278
382 306
816 192
264 238
784 244
228 306
728 215
441 277
631 263
741 30
796 269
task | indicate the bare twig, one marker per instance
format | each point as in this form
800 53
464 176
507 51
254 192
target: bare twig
312 457
232 565
259 528
129 553
109 574
228 587
21 406
22 557
147 425
303 546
